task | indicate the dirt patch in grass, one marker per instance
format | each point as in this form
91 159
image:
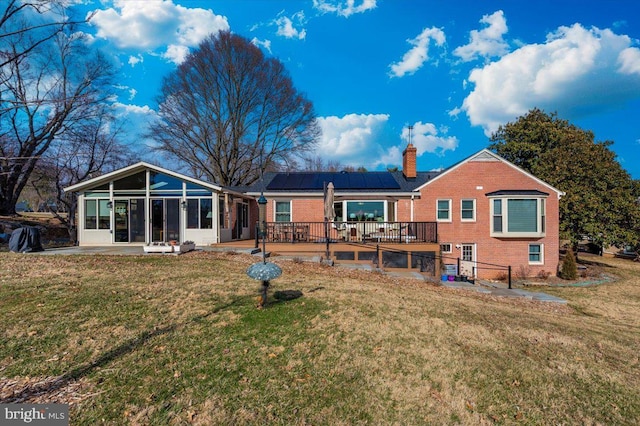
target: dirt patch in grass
177 340
46 390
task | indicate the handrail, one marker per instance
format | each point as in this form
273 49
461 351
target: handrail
372 231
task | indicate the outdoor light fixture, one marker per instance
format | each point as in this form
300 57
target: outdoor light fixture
184 204
109 205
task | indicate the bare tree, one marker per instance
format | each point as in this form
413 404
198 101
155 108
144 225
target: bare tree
46 91
228 112
88 150
31 32
318 164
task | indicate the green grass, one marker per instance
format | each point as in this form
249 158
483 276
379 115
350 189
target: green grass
178 340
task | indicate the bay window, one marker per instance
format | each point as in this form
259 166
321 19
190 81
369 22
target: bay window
519 217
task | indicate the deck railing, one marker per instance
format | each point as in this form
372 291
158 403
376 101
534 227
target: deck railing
321 232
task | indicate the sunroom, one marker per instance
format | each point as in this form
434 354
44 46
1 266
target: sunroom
145 204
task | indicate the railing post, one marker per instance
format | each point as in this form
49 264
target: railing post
458 271
509 276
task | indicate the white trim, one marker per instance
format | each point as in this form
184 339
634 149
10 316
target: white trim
446 251
541 261
315 194
135 168
473 219
482 156
450 210
275 202
540 224
468 267
473 252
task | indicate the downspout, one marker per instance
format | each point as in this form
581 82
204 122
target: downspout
412 198
215 208
112 214
148 233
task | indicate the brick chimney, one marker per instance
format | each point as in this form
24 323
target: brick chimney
409 162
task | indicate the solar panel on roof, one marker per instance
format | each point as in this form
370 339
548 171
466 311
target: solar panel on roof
341 181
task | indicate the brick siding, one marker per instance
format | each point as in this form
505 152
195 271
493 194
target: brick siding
472 180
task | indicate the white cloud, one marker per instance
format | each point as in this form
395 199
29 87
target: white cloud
266 44
629 60
176 53
577 71
344 8
453 113
287 28
127 109
425 138
393 157
135 60
350 139
419 53
487 42
150 25
132 93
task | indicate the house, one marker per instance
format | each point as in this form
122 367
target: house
484 213
143 203
480 215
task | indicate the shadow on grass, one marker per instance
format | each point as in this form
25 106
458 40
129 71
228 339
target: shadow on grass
592 261
286 295
119 351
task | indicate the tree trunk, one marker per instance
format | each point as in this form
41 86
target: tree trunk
8 206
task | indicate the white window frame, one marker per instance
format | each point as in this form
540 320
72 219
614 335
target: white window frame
345 203
472 219
541 217
448 200
275 210
97 202
443 250
541 253
472 248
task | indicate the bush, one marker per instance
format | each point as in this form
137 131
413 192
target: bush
523 272
543 275
502 276
569 267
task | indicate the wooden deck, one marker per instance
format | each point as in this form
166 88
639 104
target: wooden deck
422 257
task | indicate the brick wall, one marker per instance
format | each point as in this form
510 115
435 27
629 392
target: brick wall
472 180
302 209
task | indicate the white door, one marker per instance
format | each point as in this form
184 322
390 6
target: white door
468 260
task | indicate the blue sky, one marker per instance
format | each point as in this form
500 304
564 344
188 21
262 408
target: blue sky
454 70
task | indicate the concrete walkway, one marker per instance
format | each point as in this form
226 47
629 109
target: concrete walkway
498 290
483 287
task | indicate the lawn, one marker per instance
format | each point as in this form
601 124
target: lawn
178 340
